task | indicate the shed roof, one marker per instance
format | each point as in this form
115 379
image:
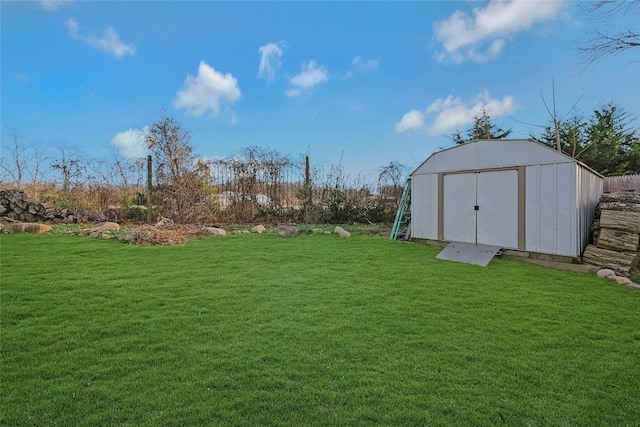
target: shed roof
491 154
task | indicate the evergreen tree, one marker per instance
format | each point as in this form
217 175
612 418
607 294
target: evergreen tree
615 144
482 128
606 141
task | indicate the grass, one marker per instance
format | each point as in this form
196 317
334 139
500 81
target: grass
316 330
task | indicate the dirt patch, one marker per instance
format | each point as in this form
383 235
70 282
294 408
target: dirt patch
149 235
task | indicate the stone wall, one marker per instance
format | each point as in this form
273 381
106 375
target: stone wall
15 205
616 233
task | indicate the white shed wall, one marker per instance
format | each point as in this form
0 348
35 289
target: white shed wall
590 187
424 206
550 209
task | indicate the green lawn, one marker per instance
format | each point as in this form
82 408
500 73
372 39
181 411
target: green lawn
258 330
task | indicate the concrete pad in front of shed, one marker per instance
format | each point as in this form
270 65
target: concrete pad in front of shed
469 253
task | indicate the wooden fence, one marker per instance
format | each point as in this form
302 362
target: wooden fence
622 183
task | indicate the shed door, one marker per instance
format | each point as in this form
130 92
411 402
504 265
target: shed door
482 207
458 213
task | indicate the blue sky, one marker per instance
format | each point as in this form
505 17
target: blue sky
364 83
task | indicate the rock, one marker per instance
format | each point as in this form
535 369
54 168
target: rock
95 234
245 232
99 217
29 228
617 240
68 219
633 286
622 280
258 229
63 213
341 232
100 227
607 258
287 230
16 205
621 197
621 220
215 231
605 272
106 236
317 231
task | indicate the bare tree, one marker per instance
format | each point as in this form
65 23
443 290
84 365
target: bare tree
35 169
391 180
15 165
182 179
70 165
558 125
557 122
23 163
608 42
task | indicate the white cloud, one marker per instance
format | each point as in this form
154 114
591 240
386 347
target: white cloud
205 91
269 60
109 42
413 120
310 76
53 5
131 143
452 113
466 37
361 66
293 92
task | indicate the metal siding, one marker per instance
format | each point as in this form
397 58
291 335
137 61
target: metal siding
423 208
556 209
561 200
498 208
459 201
419 216
567 235
433 207
503 153
547 209
533 226
460 158
589 190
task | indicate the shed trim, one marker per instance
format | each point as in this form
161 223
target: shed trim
441 206
505 168
522 208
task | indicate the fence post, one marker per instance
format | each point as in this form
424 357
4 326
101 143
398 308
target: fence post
308 199
149 189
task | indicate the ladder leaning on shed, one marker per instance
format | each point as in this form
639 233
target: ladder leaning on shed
402 224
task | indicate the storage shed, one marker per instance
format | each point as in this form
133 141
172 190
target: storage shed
517 194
